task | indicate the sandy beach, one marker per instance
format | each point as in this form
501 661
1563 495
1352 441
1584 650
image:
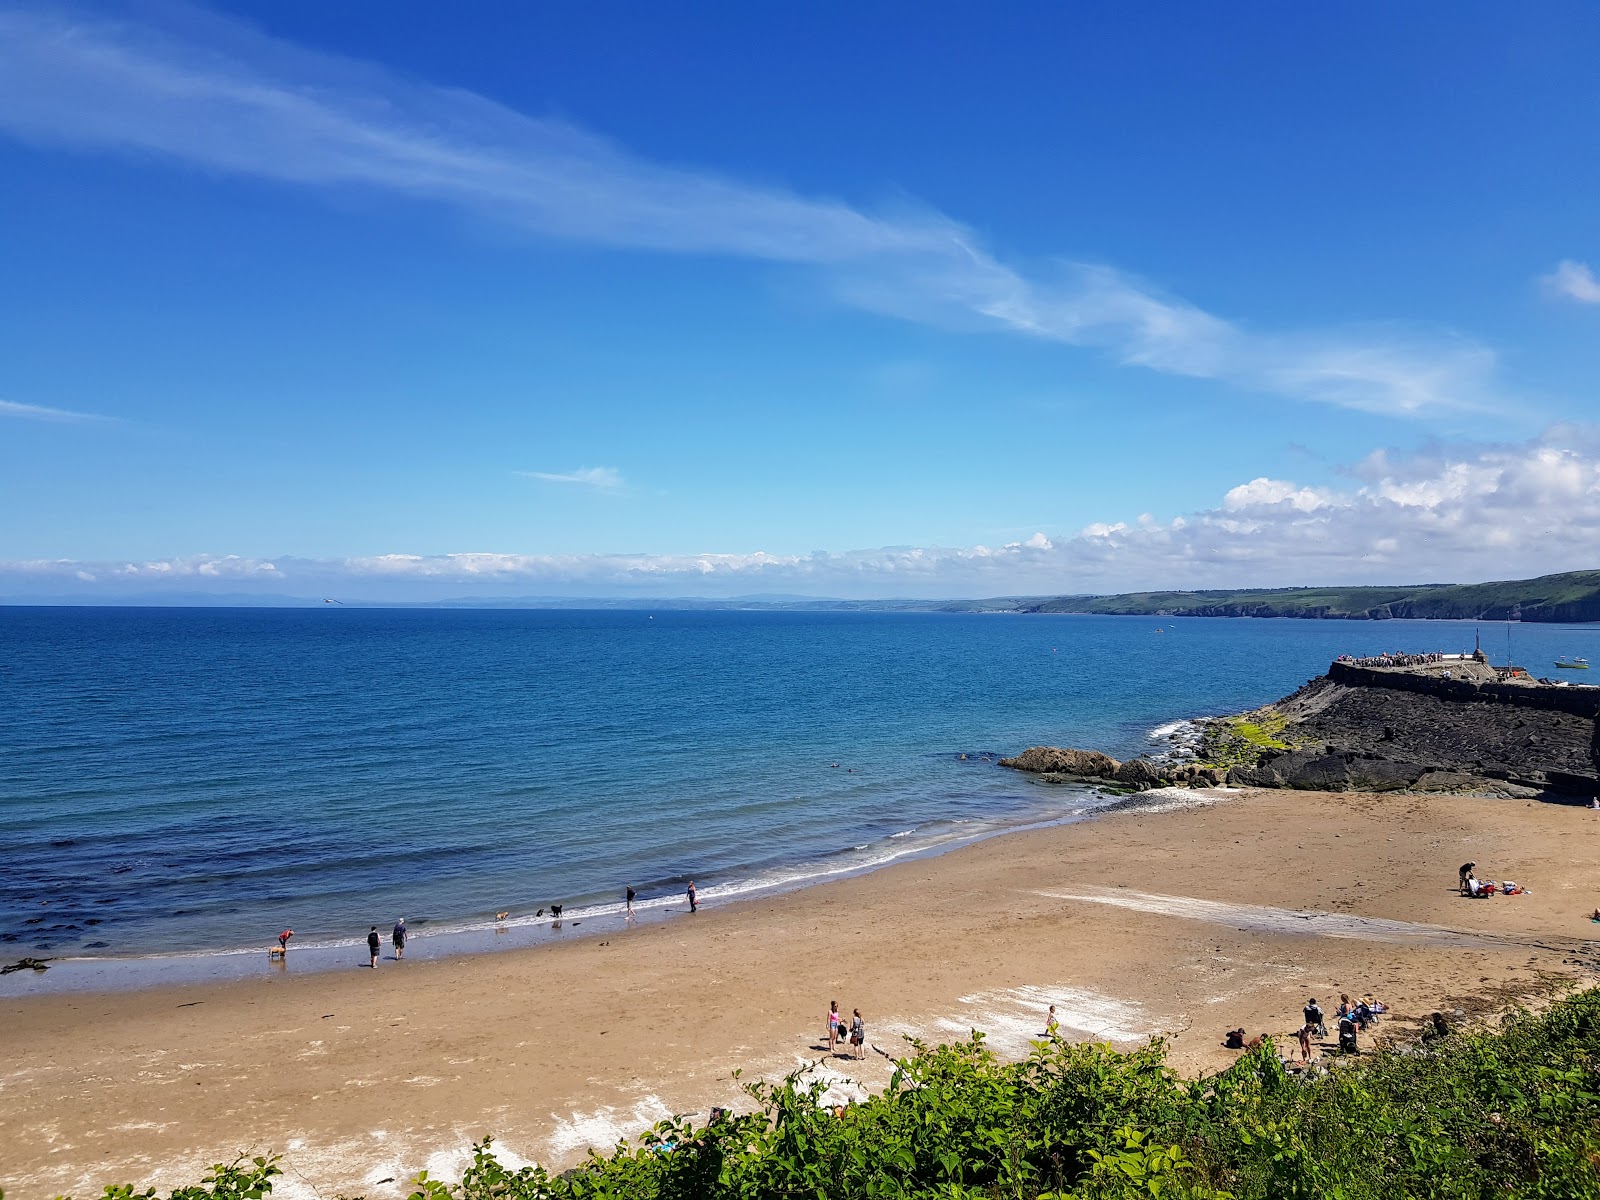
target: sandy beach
1180 923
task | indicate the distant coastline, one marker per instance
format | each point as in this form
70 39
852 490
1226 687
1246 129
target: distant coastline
1570 598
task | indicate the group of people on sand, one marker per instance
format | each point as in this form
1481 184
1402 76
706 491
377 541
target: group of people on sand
374 943
1482 889
1352 1017
689 893
854 1036
398 936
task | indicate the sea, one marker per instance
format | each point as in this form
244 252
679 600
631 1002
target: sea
179 785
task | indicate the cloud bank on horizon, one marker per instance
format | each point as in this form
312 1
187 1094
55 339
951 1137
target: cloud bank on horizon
1446 514
217 96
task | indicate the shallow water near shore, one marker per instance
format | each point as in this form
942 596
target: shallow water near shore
190 782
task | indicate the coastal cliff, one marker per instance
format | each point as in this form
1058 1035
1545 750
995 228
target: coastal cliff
1382 729
1569 598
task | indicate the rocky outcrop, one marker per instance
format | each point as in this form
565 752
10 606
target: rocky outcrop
1137 774
1315 771
1350 733
1053 760
1354 730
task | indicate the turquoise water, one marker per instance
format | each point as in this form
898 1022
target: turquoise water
196 780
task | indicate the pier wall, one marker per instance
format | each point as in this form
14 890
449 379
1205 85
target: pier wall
1579 701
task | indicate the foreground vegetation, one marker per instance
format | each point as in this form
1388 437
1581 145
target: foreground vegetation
1508 1113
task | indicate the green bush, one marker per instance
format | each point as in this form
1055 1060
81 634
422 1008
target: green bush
1512 1112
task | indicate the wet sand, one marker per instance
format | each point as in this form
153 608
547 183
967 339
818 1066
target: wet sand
1179 923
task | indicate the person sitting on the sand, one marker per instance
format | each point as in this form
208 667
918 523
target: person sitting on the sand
1233 1039
1363 1015
1312 1013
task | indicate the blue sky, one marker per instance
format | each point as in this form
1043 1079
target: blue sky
385 301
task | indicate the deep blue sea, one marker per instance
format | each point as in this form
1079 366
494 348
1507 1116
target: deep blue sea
197 779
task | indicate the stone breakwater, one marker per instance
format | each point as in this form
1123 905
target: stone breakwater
1378 730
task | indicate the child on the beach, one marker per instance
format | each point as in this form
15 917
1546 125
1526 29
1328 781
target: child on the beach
833 1025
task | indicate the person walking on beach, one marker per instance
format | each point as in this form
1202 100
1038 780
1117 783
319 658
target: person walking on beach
1052 1027
858 1033
373 942
833 1025
630 900
694 905
399 939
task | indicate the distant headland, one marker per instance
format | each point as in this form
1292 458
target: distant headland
1568 598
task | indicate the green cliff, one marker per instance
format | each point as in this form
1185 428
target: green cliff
1568 598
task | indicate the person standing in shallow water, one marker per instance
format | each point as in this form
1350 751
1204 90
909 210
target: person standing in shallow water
630 900
399 939
373 942
694 905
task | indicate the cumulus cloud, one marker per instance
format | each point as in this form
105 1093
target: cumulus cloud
217 96
1446 513
38 412
1573 281
605 478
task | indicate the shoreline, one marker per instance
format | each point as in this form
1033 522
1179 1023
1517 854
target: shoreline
446 938
1176 924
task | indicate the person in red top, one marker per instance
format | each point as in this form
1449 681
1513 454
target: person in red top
283 939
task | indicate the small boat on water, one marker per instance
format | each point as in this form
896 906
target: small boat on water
1573 664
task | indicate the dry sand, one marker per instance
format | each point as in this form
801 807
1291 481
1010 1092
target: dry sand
1180 923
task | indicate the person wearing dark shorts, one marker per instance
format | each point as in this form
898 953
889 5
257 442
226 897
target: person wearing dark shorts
283 940
399 939
373 942
694 904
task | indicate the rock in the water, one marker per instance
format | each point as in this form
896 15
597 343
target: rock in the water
1054 760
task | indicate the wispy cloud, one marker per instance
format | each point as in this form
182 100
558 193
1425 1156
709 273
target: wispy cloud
38 412
1573 281
1445 513
218 96
605 478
